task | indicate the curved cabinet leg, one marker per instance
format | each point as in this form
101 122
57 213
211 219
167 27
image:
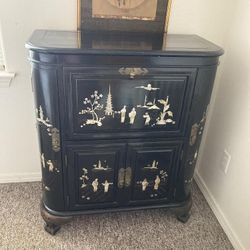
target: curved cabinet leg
52 222
183 213
51 228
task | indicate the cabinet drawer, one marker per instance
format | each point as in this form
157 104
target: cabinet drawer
104 106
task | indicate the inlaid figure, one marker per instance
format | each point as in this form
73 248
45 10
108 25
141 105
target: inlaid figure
148 87
157 182
43 160
154 164
100 166
84 178
147 117
41 113
152 106
132 116
95 184
51 165
106 186
123 114
144 184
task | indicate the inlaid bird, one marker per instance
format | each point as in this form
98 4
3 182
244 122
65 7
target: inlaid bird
148 87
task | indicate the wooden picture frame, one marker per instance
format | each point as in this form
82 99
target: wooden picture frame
104 15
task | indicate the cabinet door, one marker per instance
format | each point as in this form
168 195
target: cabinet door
104 106
93 174
153 166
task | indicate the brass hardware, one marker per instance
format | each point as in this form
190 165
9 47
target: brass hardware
55 137
66 160
121 175
132 72
182 152
53 132
197 129
193 135
128 177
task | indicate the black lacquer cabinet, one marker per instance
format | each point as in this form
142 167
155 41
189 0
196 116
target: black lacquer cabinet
120 118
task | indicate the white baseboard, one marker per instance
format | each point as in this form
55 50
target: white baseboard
232 236
24 177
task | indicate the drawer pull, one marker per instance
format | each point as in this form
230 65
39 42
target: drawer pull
121 176
55 138
128 177
132 72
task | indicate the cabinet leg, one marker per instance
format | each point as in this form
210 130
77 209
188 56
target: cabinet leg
52 222
183 213
51 228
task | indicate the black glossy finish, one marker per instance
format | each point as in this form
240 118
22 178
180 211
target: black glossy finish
119 43
68 67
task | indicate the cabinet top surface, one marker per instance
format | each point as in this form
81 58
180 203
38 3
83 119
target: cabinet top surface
120 43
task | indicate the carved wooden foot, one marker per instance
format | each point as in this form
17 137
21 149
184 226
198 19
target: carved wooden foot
183 217
51 228
183 213
52 222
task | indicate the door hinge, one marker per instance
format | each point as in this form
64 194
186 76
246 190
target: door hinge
128 176
121 178
182 153
174 192
66 160
67 201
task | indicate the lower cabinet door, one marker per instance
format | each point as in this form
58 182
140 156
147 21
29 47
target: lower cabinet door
154 167
95 175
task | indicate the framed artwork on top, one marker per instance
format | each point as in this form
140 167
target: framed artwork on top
124 15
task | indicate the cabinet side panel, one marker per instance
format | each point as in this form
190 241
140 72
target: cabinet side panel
197 119
44 80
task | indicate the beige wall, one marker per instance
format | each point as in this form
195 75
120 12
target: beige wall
229 129
228 24
222 22
19 157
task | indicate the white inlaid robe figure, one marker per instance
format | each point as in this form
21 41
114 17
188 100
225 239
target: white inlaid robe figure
43 161
95 184
147 117
144 184
106 186
132 116
51 165
157 182
123 114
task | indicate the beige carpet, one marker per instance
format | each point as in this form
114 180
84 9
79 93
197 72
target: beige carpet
21 226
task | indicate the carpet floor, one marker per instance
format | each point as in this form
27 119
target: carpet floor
21 226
